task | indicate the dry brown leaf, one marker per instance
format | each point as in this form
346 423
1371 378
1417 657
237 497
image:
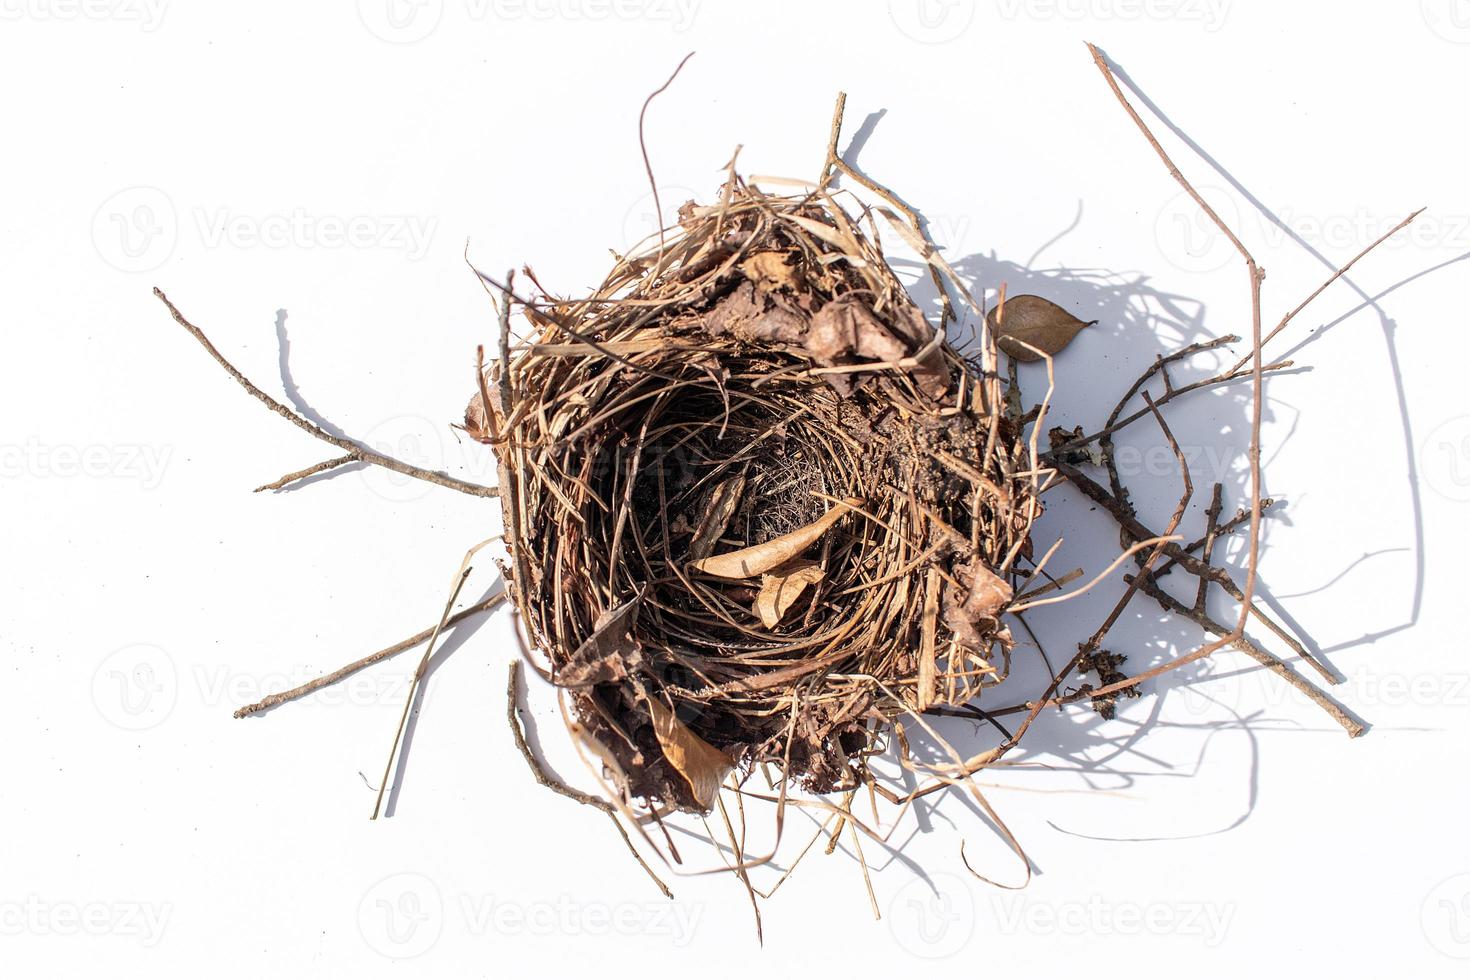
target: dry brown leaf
964 612
932 373
770 271
717 516
753 316
752 561
701 764
847 325
603 658
988 591
476 425
782 587
1031 320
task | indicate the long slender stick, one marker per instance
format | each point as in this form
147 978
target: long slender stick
322 467
418 674
1264 657
354 450
1341 271
1256 275
341 673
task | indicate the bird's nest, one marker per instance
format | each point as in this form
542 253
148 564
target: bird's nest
761 512
756 505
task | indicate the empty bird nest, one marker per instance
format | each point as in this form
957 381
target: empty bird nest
761 510
756 505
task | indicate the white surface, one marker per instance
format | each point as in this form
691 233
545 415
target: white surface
224 154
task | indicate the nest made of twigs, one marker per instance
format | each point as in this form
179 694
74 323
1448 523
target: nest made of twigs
756 505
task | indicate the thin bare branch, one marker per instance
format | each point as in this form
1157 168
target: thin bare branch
356 451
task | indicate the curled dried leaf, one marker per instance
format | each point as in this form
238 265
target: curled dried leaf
966 610
476 425
1025 322
848 325
606 655
752 315
717 516
781 588
701 764
759 558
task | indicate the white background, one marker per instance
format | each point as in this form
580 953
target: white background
1220 824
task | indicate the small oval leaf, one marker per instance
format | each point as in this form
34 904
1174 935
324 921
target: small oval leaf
1025 322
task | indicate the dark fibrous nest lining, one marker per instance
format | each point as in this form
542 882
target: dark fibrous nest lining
760 506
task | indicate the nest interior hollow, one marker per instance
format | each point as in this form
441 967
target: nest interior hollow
756 382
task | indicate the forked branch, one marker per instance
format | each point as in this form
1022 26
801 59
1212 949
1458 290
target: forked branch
356 452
